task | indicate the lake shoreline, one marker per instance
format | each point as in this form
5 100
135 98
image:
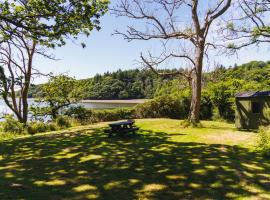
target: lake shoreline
121 101
88 104
129 101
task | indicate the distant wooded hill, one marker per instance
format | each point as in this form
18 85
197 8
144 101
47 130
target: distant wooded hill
140 84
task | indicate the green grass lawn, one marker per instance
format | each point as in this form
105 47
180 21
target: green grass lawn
163 161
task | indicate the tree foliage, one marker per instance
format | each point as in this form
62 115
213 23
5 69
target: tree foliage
50 22
130 84
250 25
60 92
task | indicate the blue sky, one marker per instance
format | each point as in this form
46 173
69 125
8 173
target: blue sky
105 52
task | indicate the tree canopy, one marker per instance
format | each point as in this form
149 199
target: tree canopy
50 22
250 25
60 92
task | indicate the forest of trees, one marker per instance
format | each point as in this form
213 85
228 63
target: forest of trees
122 84
141 84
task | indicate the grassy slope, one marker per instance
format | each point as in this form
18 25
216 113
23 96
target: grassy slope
164 161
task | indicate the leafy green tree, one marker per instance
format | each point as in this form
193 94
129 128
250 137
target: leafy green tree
60 92
222 94
50 22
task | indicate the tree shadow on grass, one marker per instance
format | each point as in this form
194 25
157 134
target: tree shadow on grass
89 165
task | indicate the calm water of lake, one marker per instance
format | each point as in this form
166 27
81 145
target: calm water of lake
92 105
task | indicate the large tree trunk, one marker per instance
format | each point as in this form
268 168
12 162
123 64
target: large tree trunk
18 114
194 116
27 82
25 97
25 107
195 100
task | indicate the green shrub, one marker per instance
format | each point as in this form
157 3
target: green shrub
12 125
40 127
217 117
36 127
113 114
206 111
92 116
78 112
63 122
52 127
263 141
173 106
164 106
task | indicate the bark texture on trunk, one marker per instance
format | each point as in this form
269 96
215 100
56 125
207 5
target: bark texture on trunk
27 82
196 84
195 100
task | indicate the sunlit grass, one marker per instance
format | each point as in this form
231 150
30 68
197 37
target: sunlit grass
163 161
211 132
8 136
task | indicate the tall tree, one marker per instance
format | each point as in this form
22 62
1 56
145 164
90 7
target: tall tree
60 92
175 20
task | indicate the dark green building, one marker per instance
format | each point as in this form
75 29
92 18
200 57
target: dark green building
252 109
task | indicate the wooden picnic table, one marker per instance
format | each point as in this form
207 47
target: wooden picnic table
122 127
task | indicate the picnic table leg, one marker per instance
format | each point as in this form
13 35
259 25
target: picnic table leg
113 130
131 126
110 134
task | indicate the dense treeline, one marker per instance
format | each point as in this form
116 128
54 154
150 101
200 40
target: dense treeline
127 84
130 84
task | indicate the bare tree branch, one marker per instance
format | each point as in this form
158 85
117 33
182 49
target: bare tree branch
179 21
16 72
251 27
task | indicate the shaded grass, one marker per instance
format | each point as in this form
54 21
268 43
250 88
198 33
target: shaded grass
163 161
